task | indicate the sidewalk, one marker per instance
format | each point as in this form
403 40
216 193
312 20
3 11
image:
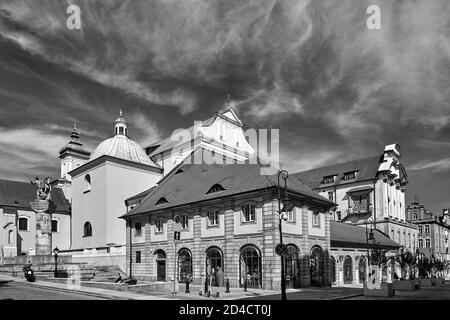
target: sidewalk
235 293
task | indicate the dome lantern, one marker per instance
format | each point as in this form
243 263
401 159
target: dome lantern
120 125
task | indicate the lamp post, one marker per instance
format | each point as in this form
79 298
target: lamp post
369 236
56 252
282 215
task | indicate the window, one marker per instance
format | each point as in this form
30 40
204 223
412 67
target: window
137 230
339 216
427 228
216 188
415 216
428 243
87 228
161 201
10 236
213 218
87 183
184 222
250 267
331 196
159 225
328 179
184 265
420 229
420 243
316 219
290 216
55 225
248 212
23 224
349 175
138 256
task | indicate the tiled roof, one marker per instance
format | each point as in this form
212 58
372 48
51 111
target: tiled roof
367 169
350 236
193 183
19 194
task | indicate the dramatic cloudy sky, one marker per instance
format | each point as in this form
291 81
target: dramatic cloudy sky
335 89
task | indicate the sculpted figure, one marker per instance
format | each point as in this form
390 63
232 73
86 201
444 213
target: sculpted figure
43 188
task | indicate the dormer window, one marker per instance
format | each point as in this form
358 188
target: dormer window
162 201
349 176
328 179
216 188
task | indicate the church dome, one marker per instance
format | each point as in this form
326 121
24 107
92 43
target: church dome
122 147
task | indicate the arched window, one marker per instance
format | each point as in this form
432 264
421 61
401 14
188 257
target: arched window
138 229
87 183
317 266
215 188
23 224
10 237
184 264
250 267
160 265
291 265
333 269
162 201
362 269
348 270
87 228
214 255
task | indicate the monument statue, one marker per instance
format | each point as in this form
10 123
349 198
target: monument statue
43 207
43 188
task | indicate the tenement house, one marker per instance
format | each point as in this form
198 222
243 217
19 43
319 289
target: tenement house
368 191
433 240
229 223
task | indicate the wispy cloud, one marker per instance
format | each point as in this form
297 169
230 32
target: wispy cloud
434 165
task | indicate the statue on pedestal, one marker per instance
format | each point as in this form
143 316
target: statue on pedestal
43 207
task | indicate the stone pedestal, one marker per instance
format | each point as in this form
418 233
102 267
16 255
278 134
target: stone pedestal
43 210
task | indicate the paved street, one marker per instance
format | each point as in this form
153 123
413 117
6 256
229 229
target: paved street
441 292
10 290
314 294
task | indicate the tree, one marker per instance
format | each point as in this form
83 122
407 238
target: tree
425 266
405 260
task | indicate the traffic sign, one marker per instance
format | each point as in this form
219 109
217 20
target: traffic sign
281 249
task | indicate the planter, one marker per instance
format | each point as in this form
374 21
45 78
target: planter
404 285
426 282
385 290
437 281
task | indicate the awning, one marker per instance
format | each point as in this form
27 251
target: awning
359 189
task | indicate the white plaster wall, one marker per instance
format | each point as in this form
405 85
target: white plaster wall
123 182
296 227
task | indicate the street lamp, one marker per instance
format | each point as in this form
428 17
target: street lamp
56 252
369 236
282 215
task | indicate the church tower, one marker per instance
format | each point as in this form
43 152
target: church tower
71 156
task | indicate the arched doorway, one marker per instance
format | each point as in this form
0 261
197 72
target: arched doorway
291 264
362 269
184 264
250 267
215 257
348 270
316 265
160 265
333 269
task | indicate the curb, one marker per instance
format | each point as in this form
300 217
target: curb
346 297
